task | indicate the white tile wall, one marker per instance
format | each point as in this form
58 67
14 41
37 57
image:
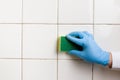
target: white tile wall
40 70
105 74
10 41
10 69
74 70
76 11
10 11
29 31
66 29
107 36
107 11
39 41
40 11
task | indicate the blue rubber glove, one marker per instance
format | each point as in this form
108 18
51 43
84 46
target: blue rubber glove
91 51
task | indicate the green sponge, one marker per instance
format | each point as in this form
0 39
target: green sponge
64 45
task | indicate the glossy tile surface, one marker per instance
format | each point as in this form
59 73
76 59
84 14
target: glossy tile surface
66 29
76 11
40 70
105 74
10 41
74 70
40 11
40 41
10 11
10 69
107 36
107 11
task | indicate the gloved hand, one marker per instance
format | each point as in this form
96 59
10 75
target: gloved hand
91 51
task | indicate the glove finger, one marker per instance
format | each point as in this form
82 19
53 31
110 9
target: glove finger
87 33
77 53
75 40
77 34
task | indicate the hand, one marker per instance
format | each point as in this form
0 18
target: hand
91 51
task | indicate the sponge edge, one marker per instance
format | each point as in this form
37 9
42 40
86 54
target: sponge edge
64 45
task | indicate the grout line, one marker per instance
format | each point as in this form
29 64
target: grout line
22 53
93 33
53 23
93 16
65 23
87 23
38 59
92 71
32 23
57 38
105 23
22 43
11 58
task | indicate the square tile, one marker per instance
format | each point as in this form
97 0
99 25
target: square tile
10 69
107 11
10 41
105 73
40 11
10 11
75 11
74 70
40 70
66 29
39 41
107 36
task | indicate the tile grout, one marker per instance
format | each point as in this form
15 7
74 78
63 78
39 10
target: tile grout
93 34
36 59
57 38
67 23
22 43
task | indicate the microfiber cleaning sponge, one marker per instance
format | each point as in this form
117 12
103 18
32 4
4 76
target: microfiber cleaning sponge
64 45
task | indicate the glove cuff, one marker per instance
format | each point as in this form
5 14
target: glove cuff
105 58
